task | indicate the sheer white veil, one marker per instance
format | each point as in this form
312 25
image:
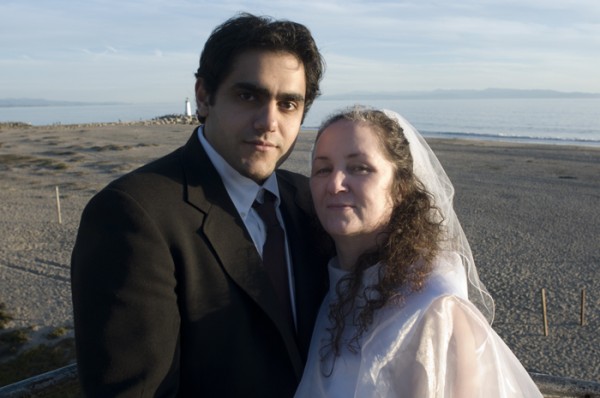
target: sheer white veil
428 169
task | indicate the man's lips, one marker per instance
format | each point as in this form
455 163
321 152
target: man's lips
261 145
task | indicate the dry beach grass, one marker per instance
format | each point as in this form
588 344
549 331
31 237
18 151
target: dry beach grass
530 212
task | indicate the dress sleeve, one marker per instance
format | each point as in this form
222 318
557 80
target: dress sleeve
446 350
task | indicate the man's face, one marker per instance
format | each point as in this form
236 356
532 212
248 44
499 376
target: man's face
256 113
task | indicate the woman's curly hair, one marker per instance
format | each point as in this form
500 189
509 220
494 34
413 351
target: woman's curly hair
406 247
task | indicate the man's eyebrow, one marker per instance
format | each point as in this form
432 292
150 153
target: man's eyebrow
259 90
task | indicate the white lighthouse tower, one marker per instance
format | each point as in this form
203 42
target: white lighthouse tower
188 107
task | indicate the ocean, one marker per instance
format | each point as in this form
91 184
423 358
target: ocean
567 121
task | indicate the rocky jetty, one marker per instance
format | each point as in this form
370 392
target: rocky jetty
159 120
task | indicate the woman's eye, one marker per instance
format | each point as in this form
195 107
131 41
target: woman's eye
320 171
360 169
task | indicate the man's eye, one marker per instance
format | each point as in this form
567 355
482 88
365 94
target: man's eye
288 105
247 96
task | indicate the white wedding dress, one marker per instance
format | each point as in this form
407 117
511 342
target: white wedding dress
435 344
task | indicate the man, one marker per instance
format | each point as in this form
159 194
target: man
170 294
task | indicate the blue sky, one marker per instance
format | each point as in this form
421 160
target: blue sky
147 50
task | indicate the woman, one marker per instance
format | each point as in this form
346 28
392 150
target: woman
406 314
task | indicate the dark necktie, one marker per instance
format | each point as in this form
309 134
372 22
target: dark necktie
274 259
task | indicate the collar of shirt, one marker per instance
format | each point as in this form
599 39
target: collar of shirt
242 190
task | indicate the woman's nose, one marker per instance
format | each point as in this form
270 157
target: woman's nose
337 182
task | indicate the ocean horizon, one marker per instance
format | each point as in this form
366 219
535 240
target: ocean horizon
569 121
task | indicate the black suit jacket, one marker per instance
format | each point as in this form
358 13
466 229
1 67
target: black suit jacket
169 295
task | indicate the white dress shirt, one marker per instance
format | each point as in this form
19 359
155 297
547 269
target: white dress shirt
243 192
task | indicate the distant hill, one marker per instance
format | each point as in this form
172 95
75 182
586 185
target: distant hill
26 102
488 93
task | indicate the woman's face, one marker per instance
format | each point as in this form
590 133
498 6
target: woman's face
351 182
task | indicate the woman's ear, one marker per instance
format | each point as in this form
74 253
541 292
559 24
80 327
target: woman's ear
202 98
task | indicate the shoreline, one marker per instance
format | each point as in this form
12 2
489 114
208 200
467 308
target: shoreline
174 119
529 211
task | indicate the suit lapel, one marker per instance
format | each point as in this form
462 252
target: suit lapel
230 240
310 277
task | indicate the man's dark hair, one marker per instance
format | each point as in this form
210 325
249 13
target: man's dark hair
246 32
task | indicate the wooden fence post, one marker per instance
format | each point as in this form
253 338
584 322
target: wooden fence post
582 315
544 312
58 206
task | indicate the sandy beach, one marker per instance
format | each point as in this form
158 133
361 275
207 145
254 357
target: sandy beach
530 212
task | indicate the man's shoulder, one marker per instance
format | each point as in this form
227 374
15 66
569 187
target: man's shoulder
167 169
292 178
295 183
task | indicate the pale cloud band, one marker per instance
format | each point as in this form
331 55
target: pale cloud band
148 50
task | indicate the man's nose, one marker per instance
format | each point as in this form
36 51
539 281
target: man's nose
266 119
